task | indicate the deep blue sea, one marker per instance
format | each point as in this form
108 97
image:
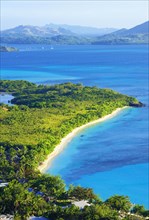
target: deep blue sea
111 157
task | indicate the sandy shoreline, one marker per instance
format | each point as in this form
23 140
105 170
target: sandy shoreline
69 137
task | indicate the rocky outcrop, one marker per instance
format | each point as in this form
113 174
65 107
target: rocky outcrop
7 49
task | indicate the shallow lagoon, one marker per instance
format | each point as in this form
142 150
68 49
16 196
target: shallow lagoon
6 98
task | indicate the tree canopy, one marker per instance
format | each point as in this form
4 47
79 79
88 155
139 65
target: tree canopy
30 129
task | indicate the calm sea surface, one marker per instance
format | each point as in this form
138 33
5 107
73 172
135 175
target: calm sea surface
111 157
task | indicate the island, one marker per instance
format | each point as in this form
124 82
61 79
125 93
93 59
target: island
8 49
40 118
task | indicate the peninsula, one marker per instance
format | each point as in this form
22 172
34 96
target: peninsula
42 118
42 115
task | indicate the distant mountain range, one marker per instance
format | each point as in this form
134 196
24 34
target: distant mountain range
67 34
35 31
84 30
56 29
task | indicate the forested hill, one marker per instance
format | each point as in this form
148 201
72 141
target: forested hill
135 35
58 96
30 130
43 115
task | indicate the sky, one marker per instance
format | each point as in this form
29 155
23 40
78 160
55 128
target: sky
99 13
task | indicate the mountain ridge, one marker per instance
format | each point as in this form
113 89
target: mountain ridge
139 29
67 34
30 30
84 30
135 35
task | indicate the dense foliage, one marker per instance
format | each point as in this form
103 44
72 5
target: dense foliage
119 203
15 85
30 129
43 115
38 197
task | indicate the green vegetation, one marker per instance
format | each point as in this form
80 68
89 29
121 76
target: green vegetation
53 40
108 39
15 85
115 39
45 195
119 203
82 193
78 40
41 117
140 210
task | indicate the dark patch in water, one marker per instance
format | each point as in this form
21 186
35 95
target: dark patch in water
92 160
82 135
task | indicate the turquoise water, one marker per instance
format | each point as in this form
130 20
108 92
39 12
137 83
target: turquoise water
111 157
103 158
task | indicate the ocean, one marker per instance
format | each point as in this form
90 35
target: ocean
111 157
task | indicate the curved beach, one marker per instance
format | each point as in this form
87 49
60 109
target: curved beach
46 164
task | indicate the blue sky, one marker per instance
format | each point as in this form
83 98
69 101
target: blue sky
106 13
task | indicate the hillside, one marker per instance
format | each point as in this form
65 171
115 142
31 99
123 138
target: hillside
84 30
70 35
42 115
31 129
35 31
136 35
40 35
52 34
139 29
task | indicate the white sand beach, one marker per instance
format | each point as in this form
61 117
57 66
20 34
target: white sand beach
68 138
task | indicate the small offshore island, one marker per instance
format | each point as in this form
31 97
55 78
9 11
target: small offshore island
40 118
8 49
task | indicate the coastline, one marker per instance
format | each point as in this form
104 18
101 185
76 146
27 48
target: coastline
59 148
